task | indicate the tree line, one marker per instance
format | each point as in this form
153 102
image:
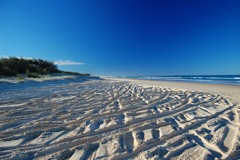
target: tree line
13 66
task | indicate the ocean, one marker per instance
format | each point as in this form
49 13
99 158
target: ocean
209 79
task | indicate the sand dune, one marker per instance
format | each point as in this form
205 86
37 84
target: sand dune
110 119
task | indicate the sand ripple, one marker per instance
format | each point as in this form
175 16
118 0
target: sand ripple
116 120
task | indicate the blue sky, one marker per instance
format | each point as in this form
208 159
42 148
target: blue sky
124 37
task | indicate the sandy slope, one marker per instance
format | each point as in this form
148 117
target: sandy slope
109 119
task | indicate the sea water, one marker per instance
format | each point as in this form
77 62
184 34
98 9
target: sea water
209 79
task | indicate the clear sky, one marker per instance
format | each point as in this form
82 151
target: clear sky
125 37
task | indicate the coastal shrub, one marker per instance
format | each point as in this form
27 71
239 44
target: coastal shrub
20 77
32 67
75 73
33 75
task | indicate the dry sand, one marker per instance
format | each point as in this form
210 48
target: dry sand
120 119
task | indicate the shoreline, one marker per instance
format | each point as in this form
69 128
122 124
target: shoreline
227 90
201 79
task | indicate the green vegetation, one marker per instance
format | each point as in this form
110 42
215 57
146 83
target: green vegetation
74 73
20 77
31 67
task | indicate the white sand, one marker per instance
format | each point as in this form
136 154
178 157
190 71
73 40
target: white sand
120 119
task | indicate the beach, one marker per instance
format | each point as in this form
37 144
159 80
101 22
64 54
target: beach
120 118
